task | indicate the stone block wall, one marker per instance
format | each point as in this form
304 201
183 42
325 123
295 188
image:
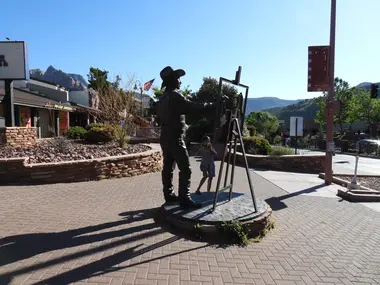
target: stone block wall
291 163
16 171
18 136
2 136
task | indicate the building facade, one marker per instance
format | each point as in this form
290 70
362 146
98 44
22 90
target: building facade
40 104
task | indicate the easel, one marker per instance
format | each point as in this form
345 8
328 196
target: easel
235 124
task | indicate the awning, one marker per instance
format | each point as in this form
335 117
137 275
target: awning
29 99
83 108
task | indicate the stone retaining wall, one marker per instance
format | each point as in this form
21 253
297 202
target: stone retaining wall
291 163
16 171
18 136
309 163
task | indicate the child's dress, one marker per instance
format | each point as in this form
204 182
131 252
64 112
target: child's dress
208 163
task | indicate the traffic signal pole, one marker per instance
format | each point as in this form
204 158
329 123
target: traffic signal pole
330 97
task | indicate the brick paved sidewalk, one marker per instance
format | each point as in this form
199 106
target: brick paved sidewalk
103 233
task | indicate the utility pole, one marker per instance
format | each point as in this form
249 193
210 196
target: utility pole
142 106
141 96
330 99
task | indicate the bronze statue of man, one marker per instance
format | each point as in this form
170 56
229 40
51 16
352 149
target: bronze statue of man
171 109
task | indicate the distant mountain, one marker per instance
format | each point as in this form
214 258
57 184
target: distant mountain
72 82
262 103
367 85
305 108
79 78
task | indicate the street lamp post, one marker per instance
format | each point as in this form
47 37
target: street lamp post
141 94
330 98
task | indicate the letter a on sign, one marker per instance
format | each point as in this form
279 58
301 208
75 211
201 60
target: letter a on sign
318 76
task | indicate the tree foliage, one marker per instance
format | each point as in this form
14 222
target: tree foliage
320 114
264 123
114 105
209 91
364 108
344 93
356 105
98 79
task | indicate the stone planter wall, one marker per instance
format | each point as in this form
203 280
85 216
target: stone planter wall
291 163
16 171
18 136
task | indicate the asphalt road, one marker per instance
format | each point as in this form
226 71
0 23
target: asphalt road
345 164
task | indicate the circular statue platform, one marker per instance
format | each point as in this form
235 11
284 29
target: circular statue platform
240 209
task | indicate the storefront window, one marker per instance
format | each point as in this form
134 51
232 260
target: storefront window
63 122
51 126
25 117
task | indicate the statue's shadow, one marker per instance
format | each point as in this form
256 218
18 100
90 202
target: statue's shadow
207 201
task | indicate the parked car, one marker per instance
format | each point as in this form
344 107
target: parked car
368 146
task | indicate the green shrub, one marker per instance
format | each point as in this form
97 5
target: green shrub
76 132
280 150
121 135
277 140
305 142
257 145
100 133
197 130
95 125
252 130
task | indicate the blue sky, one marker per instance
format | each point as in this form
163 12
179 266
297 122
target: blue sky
268 38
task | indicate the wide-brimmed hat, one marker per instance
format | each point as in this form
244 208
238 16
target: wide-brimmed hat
205 139
168 72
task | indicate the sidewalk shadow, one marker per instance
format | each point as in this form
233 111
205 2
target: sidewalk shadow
276 203
19 247
107 264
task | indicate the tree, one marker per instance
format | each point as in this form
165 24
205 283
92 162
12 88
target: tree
113 104
184 91
117 107
157 93
320 118
207 93
116 83
264 123
364 108
344 94
97 79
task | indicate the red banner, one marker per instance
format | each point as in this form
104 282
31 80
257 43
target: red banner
318 77
63 122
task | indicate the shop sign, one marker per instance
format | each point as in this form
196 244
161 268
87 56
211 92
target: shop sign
58 107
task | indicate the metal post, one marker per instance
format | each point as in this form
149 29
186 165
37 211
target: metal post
142 106
222 165
57 123
246 168
295 149
233 169
356 170
330 97
8 102
217 115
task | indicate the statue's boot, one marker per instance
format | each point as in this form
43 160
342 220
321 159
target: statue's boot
190 204
170 197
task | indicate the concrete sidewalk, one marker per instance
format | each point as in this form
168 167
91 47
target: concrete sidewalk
306 184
